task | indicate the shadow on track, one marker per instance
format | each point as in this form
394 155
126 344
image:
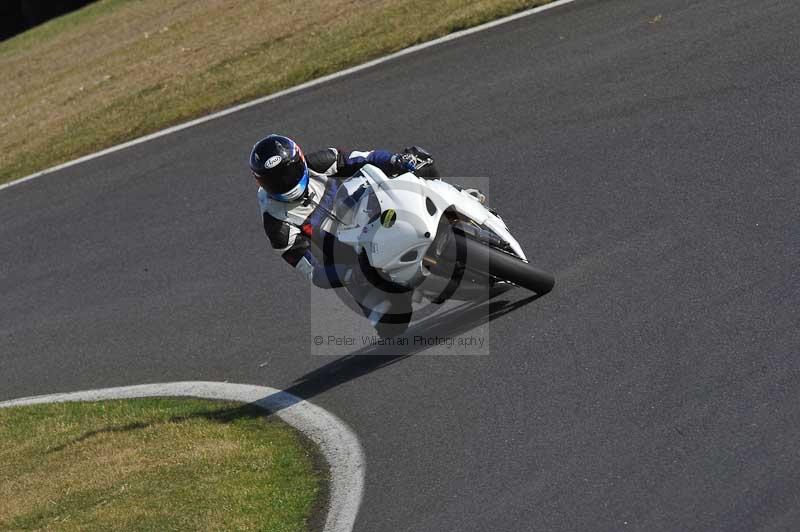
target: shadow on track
347 368
371 358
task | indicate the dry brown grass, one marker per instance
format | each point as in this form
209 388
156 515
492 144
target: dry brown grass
119 69
151 464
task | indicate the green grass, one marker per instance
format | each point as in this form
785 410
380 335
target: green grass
153 464
119 69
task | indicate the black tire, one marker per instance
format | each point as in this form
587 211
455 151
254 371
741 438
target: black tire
502 265
396 321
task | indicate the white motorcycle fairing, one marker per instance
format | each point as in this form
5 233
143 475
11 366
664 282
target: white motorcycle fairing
395 220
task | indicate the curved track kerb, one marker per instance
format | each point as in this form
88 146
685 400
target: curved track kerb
337 442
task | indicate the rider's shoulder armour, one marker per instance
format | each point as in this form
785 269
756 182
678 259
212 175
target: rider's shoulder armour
323 161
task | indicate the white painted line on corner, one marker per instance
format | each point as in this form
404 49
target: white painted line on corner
337 442
296 88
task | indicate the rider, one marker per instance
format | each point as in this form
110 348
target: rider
296 193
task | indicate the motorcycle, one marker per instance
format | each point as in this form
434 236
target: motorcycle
415 239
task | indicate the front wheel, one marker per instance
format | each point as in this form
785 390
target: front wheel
505 266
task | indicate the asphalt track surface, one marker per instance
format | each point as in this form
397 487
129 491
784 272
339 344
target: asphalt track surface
645 152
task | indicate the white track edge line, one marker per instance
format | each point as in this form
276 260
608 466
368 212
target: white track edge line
291 90
337 442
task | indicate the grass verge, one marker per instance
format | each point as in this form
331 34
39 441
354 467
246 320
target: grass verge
119 69
153 464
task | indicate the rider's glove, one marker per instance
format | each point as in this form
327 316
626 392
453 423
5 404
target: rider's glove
419 153
404 162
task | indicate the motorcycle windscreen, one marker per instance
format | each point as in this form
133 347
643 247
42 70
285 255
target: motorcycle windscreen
354 203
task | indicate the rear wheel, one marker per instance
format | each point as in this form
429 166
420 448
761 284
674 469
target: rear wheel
395 322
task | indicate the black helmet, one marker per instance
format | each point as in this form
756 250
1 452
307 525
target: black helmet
280 167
